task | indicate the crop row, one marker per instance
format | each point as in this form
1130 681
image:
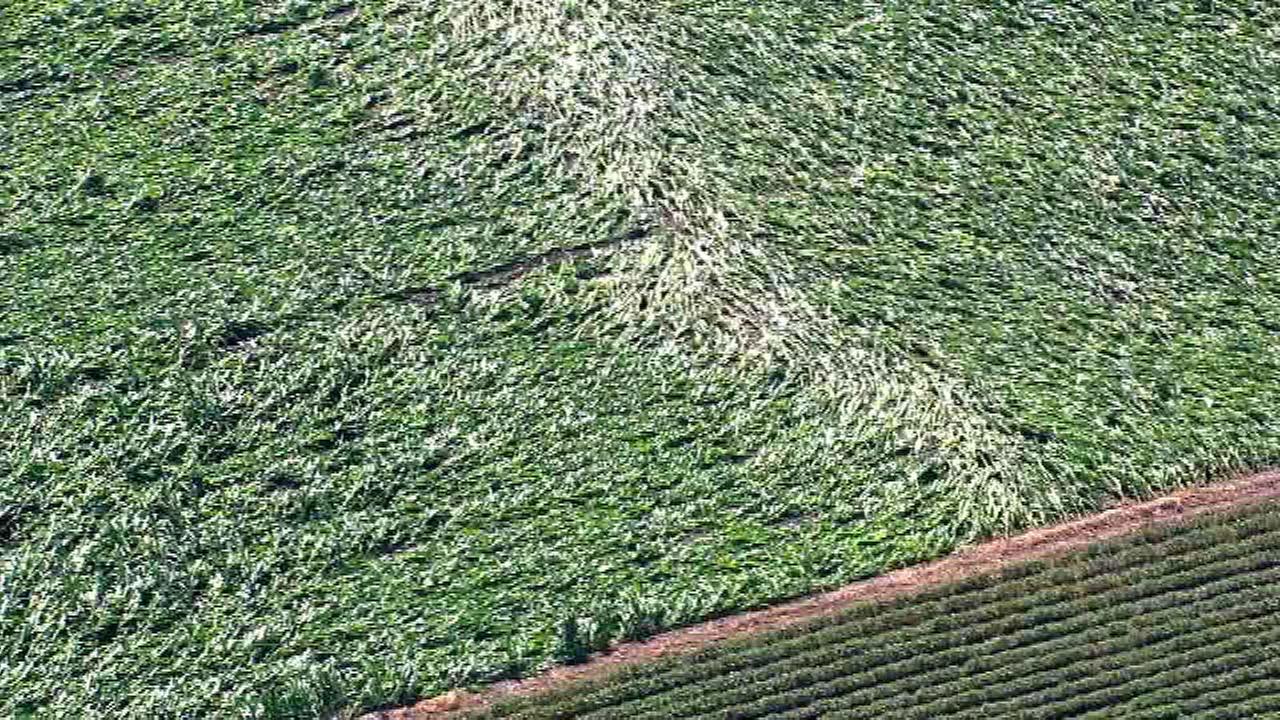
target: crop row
1090 573
1106 683
1206 694
1114 687
1254 700
1107 686
891 660
857 690
1218 617
1083 665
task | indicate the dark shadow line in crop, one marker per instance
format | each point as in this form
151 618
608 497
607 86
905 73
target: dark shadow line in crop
275 27
12 244
508 272
410 131
34 82
396 123
235 335
408 136
338 11
13 519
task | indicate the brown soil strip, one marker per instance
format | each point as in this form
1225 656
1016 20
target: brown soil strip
972 560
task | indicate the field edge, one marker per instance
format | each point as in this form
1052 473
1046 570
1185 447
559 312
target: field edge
1240 490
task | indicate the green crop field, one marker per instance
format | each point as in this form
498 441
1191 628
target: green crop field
1174 622
351 352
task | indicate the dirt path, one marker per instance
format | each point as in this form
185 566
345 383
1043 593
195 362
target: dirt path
967 561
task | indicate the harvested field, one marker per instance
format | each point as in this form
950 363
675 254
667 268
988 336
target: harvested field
353 352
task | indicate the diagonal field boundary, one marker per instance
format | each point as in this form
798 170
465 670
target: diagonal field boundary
968 561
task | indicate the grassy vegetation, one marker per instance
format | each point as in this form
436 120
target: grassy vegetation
1177 621
351 352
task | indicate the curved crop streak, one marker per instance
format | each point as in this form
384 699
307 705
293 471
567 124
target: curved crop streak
608 99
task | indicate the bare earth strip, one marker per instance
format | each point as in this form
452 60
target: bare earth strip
968 561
